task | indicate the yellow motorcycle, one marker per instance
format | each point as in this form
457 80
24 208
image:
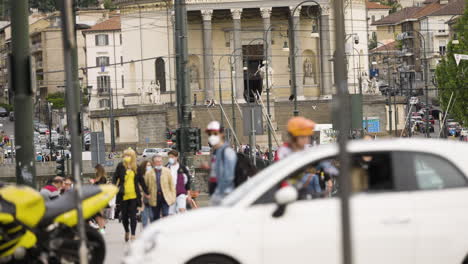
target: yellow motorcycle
35 231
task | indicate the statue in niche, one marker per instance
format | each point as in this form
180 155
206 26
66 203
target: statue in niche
308 72
193 77
262 71
141 95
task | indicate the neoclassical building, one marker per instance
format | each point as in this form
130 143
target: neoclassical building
228 43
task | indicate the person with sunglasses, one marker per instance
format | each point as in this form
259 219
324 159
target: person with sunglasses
223 163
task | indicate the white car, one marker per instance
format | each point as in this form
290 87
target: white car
149 152
410 205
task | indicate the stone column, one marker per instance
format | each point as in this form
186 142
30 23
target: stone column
326 80
208 69
297 53
238 58
266 14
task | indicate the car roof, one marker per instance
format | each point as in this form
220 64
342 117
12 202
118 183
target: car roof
453 151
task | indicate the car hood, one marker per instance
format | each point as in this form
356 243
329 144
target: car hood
191 220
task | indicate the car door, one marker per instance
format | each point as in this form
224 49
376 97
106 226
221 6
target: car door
441 204
382 214
308 231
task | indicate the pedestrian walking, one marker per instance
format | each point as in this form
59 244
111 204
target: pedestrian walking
162 193
129 196
52 189
300 130
181 181
100 178
149 176
223 163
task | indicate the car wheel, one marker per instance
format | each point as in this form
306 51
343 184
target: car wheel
213 259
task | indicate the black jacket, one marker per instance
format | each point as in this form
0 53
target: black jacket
119 176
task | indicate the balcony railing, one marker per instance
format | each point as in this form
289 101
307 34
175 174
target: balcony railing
103 91
35 47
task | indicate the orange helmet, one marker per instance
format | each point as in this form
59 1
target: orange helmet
300 126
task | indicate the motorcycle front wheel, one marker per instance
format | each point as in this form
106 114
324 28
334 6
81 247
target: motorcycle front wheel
96 246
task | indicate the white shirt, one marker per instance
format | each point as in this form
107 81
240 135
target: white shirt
174 168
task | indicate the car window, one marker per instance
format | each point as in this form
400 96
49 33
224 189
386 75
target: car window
432 172
370 172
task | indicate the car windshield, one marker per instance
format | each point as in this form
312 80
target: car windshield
240 192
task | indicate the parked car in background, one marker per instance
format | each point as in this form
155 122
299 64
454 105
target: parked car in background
42 129
408 205
3 112
11 116
150 152
205 150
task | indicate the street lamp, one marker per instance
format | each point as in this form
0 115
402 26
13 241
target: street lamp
426 87
219 85
293 50
388 88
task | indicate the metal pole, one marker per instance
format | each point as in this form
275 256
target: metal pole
267 63
396 114
426 75
390 116
220 92
183 87
111 102
20 83
72 98
253 147
343 127
233 110
292 60
410 133
50 128
292 50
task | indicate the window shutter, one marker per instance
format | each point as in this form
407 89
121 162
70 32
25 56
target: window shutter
97 40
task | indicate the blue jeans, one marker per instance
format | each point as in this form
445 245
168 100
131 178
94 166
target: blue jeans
161 208
146 215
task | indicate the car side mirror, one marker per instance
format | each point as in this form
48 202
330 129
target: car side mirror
283 197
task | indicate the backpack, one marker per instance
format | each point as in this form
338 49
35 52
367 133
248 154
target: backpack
244 168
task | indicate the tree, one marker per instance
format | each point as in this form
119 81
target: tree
47 6
392 3
451 78
57 99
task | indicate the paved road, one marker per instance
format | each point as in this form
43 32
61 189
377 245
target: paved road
8 126
115 243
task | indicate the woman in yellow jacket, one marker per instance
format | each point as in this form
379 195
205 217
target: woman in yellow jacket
129 196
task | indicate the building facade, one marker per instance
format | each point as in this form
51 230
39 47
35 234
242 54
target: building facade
375 11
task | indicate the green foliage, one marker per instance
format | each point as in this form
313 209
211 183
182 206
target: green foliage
43 5
373 42
451 78
8 107
47 6
108 4
392 3
57 99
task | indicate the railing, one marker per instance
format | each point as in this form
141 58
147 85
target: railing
102 91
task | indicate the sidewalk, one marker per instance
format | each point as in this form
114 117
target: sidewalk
115 243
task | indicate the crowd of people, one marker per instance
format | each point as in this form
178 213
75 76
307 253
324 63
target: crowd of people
152 190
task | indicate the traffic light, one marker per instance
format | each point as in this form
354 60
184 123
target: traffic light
194 138
175 136
60 167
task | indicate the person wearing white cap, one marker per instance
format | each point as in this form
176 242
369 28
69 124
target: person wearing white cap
223 163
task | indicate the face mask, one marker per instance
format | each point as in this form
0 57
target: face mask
158 167
148 168
214 140
127 159
171 161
